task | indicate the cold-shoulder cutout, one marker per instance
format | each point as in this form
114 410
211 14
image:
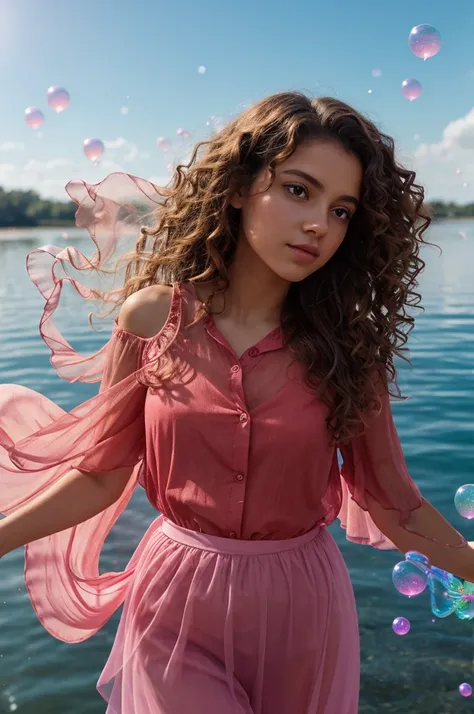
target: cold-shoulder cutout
145 313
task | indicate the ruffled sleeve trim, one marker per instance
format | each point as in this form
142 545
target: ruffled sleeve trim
39 441
374 465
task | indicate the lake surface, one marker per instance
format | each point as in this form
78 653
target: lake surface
413 674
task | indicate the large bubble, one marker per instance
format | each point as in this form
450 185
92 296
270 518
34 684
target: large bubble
93 149
424 41
34 117
409 579
465 689
58 98
464 501
411 89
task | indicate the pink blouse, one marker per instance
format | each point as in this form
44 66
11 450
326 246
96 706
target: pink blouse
240 448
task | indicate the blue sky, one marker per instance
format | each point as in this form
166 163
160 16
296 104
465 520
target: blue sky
131 69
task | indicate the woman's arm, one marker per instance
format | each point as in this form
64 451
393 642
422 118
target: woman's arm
428 521
72 500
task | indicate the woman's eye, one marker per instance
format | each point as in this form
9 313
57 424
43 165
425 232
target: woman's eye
346 215
298 187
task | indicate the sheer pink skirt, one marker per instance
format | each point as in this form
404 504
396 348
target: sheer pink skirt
219 626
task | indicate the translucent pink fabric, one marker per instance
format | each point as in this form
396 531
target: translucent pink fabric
237 446
224 626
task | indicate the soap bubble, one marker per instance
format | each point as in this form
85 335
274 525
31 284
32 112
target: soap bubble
424 41
34 117
58 98
465 689
376 73
401 626
93 149
408 579
411 89
183 133
202 69
163 143
464 500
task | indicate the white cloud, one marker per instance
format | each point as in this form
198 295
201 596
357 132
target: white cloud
131 150
12 146
115 143
446 167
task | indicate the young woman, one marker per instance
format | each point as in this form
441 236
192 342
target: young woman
259 322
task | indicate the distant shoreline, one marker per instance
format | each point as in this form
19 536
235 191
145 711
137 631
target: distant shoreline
68 224
46 226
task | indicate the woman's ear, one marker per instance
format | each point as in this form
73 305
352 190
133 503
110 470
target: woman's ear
237 199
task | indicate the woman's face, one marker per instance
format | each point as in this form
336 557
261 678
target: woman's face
310 203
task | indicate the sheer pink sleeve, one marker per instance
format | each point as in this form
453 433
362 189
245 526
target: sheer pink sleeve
40 442
374 464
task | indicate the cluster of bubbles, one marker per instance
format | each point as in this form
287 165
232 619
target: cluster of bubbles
425 42
58 100
448 594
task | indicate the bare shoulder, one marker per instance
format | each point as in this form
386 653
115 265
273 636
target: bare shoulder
145 312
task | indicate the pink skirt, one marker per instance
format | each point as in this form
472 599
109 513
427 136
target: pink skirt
219 626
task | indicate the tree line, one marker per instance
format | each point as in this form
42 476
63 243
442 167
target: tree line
23 209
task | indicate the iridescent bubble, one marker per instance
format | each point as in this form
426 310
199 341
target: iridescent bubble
465 689
458 171
408 579
411 88
401 626
34 117
163 143
93 149
202 69
58 98
376 73
415 557
424 41
124 110
464 500
183 133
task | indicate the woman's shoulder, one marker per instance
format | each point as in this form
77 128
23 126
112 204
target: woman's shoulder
144 313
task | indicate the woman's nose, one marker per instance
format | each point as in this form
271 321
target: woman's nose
318 225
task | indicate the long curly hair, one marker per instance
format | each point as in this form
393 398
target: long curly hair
347 322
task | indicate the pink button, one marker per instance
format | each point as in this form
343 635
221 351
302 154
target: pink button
239 477
235 368
253 351
243 417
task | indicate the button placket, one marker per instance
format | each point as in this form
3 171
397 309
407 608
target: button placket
237 480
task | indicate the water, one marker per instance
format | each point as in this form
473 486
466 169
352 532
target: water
416 673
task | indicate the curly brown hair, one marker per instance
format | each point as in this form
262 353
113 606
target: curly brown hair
349 321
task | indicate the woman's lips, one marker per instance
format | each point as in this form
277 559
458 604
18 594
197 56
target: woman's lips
303 255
